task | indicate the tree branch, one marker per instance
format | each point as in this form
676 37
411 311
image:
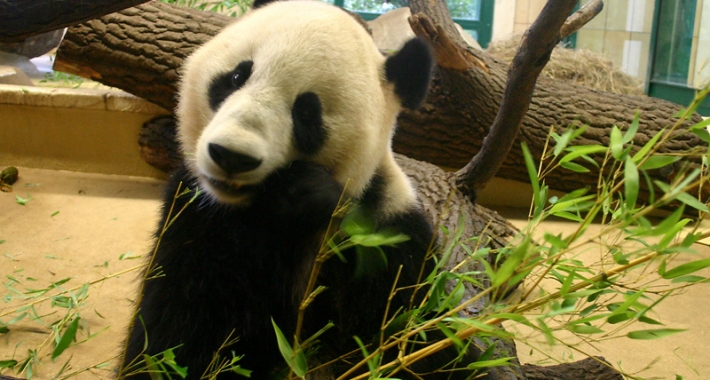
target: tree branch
581 17
532 56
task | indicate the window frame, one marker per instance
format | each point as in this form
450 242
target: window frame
680 93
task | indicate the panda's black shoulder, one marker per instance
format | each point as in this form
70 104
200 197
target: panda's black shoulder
414 220
261 3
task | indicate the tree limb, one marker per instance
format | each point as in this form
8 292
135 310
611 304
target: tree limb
532 56
20 19
581 17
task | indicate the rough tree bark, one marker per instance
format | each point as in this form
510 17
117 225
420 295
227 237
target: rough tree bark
591 368
140 50
20 19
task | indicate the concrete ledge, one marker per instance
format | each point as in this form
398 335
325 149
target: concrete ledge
108 100
83 130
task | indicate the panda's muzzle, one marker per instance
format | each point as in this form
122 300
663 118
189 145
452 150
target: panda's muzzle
232 162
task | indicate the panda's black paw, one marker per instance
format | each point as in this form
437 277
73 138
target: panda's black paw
302 192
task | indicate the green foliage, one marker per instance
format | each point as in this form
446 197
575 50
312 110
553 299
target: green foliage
231 8
22 201
295 356
58 77
465 9
593 300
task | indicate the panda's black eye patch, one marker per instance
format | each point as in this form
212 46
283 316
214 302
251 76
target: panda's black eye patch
308 131
225 84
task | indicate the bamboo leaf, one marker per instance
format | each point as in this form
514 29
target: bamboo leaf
169 359
702 134
296 360
668 223
530 166
588 319
701 125
690 279
692 202
22 201
630 300
633 128
672 233
647 147
653 334
67 338
687 268
655 162
8 363
451 335
561 142
513 317
567 283
373 363
580 151
577 168
631 183
584 329
547 332
379 239
511 263
490 363
617 143
618 318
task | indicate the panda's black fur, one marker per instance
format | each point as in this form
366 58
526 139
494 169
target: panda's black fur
230 269
236 268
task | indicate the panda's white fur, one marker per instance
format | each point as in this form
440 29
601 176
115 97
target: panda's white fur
292 57
241 254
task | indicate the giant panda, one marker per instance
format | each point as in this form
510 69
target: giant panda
281 114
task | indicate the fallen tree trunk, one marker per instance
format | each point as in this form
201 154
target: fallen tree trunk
20 19
140 51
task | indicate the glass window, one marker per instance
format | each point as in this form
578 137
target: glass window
378 6
674 41
465 9
475 16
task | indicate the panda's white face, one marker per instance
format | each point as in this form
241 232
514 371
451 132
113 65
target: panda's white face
292 80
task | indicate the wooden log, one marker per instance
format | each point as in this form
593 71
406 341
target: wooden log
20 19
593 368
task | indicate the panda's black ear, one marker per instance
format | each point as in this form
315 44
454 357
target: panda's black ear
410 72
261 3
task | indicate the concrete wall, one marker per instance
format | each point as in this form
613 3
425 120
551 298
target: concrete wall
83 130
701 40
622 32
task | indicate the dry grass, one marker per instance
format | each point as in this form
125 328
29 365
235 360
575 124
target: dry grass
582 67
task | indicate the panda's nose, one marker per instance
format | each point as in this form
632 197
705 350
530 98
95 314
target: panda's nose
232 162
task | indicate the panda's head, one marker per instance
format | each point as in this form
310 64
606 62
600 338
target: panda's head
295 80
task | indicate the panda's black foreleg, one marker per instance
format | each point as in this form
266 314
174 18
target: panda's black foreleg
222 270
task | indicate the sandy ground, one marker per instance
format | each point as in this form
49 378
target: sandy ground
94 228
